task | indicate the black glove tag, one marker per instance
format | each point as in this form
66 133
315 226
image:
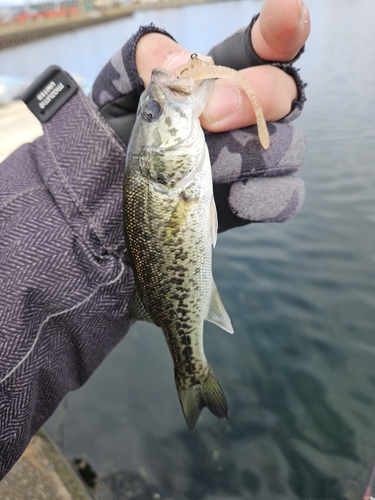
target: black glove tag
49 92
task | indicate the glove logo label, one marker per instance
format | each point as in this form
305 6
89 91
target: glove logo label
49 92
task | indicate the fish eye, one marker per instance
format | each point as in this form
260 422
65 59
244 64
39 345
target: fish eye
151 110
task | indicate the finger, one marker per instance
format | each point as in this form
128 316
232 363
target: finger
264 199
267 199
229 107
281 29
158 51
238 155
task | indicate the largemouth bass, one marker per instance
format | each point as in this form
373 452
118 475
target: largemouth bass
170 226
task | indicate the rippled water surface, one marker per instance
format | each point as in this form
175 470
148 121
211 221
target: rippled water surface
299 372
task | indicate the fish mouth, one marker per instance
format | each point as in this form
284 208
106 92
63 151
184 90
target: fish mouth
169 80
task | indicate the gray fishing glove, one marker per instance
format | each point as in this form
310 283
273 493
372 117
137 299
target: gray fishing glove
250 184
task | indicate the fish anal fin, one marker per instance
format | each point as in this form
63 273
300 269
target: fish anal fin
138 310
205 393
217 313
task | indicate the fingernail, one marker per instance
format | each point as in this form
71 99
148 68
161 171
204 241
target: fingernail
224 102
302 11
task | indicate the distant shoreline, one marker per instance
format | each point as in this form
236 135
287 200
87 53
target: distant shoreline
13 35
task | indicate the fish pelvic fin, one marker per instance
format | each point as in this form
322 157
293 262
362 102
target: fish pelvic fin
204 393
138 310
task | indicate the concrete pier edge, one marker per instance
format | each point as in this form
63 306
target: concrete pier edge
43 473
16 34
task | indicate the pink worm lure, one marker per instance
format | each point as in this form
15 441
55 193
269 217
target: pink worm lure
204 70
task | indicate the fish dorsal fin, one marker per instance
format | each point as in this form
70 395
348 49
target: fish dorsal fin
213 221
217 313
138 310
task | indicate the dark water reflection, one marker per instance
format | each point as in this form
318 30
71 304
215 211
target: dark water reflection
299 371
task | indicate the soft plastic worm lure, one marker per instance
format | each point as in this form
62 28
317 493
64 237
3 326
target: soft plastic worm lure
203 70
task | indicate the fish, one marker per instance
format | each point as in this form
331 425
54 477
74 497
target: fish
170 228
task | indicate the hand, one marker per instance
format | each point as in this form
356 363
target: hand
59 324
278 35
268 191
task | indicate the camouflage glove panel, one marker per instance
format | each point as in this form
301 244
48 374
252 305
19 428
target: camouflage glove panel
250 184
254 185
117 89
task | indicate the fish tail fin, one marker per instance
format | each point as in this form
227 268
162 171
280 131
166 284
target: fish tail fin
205 392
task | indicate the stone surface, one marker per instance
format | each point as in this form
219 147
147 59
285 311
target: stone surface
43 473
17 126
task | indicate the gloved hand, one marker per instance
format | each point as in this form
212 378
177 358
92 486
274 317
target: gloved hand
250 184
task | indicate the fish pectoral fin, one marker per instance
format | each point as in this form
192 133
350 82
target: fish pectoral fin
217 313
213 221
138 310
178 216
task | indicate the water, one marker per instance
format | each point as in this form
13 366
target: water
299 372
86 51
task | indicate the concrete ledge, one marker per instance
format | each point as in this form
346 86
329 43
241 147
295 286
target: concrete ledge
43 473
17 126
17 34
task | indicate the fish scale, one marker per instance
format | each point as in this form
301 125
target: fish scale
176 266
170 227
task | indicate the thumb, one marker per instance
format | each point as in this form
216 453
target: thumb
281 30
